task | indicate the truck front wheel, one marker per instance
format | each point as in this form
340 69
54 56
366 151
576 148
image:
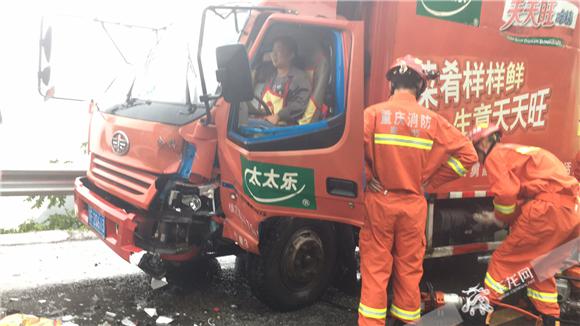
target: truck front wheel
296 263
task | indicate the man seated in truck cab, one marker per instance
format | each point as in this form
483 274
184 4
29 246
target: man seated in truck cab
294 77
287 91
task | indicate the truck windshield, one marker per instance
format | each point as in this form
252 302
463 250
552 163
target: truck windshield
162 78
166 70
168 80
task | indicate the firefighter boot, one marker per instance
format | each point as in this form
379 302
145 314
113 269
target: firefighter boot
550 321
394 322
475 320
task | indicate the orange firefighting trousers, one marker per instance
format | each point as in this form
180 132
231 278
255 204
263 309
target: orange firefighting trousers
392 242
542 226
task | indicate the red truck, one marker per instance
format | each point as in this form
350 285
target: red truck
193 177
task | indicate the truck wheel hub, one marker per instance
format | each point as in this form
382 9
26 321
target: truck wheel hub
303 258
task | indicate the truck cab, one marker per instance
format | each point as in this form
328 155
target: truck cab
178 176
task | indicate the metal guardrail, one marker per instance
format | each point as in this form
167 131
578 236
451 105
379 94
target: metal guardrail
38 182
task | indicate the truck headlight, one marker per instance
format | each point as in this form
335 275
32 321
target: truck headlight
192 201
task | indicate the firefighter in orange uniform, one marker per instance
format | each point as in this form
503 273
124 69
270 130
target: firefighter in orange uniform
537 198
406 146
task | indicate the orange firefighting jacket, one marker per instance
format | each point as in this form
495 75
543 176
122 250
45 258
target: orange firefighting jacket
519 173
407 145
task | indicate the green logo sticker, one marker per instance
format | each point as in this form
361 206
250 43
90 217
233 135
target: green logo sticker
461 11
278 185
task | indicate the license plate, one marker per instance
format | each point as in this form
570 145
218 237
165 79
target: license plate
97 221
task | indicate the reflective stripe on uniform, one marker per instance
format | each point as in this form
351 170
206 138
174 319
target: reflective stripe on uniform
495 285
274 101
405 314
309 113
543 296
404 141
527 150
504 209
456 165
372 312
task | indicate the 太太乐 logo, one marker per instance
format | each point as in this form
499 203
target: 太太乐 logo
461 11
278 185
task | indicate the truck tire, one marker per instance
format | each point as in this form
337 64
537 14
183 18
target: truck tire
345 278
296 264
188 274
241 267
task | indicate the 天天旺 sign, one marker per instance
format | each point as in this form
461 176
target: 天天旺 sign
539 22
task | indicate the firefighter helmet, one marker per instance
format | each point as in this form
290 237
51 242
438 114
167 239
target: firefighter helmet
483 131
403 64
411 68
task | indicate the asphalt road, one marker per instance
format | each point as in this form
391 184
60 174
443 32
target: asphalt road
37 265
86 282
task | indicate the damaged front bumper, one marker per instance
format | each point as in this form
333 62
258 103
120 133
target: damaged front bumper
125 232
118 227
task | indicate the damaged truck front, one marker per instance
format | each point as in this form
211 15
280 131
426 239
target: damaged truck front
152 187
155 186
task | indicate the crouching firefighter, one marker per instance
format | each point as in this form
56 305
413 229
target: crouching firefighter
405 144
537 198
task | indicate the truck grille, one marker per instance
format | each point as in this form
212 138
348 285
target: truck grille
125 178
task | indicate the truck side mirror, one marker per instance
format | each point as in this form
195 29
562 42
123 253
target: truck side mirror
44 76
46 43
44 65
234 73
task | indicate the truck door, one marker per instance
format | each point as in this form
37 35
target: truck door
313 169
